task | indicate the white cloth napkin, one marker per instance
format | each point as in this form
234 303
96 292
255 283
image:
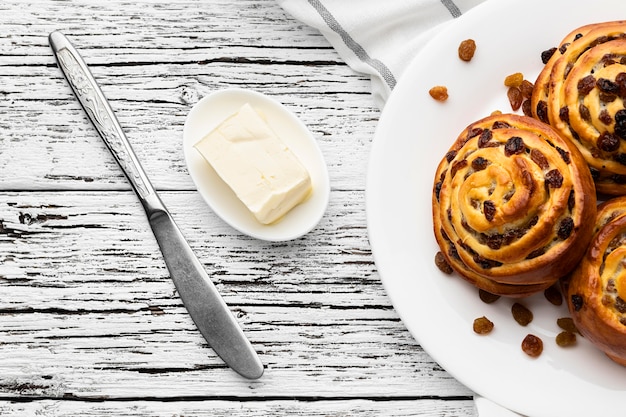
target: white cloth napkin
380 39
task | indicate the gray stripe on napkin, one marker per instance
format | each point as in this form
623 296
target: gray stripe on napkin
452 8
354 45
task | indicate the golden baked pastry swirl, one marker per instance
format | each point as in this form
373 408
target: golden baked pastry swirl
596 291
581 93
509 203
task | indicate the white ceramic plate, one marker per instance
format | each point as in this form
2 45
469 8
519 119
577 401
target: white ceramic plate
413 135
210 112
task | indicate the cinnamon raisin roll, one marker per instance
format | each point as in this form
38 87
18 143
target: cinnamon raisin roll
510 199
596 291
581 93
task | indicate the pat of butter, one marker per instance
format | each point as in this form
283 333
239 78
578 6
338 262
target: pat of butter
254 162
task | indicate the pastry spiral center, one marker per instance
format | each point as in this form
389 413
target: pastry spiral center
501 196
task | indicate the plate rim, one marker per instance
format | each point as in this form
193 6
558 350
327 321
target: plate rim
382 259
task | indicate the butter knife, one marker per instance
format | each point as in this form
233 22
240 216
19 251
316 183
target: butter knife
199 295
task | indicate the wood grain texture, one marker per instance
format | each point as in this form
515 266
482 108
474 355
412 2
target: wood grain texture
224 408
90 323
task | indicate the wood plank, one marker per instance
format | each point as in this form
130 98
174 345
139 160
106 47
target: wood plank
88 309
90 323
152 88
155 27
49 141
224 408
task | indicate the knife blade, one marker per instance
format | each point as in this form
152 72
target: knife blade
199 295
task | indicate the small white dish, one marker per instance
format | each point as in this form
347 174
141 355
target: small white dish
210 112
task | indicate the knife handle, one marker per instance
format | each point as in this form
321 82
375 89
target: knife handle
102 116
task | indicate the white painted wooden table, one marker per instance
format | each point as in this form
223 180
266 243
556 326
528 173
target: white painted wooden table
90 323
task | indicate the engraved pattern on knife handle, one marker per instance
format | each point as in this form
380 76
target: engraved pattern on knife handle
103 120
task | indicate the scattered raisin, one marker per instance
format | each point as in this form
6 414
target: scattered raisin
438 189
571 201
620 79
605 117
454 253
608 60
439 93
554 178
499 124
607 86
599 40
567 324
472 133
489 208
564 155
564 114
584 112
553 295
542 111
566 227
479 163
532 345
515 97
485 137
467 49
521 314
456 166
577 302
442 263
607 98
514 146
565 339
485 263
483 325
514 80
547 54
539 158
527 88
608 142
586 84
620 123
488 297
494 241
